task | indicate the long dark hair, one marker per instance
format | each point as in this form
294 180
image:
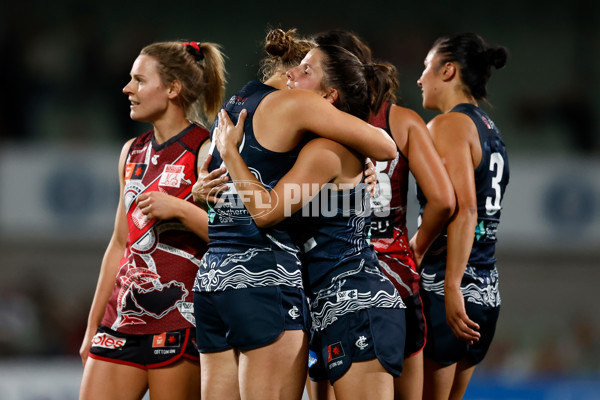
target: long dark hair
351 42
361 87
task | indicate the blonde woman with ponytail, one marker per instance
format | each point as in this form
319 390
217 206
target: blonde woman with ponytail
141 328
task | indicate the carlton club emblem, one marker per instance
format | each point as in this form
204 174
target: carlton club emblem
361 343
294 313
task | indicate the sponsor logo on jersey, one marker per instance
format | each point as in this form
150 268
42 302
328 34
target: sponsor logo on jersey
347 295
231 209
139 151
486 230
172 176
335 351
166 339
237 100
155 159
108 341
135 171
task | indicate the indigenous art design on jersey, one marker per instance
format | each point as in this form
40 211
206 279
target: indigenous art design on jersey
240 253
223 271
390 267
355 289
154 281
479 286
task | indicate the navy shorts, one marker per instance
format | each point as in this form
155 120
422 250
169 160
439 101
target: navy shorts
144 351
416 329
482 304
359 336
249 318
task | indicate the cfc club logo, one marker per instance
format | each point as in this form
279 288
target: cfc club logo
294 313
361 343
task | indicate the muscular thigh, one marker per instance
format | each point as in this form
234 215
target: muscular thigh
178 381
277 370
108 380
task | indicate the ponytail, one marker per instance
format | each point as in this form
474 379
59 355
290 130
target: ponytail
214 76
381 76
361 87
383 84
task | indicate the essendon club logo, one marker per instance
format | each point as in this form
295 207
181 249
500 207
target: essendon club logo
172 176
335 351
166 339
108 341
135 171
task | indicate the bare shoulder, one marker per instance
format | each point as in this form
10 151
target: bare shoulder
290 104
405 123
452 131
458 123
288 96
125 150
322 146
405 119
406 115
123 157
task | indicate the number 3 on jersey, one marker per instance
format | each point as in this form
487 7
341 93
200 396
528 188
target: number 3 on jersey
492 204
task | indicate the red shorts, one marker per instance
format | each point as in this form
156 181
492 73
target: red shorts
403 274
144 351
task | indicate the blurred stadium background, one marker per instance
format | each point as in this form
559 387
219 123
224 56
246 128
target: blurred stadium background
63 120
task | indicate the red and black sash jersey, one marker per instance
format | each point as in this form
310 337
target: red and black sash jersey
389 235
389 206
153 290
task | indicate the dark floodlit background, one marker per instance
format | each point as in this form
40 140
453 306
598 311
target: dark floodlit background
63 120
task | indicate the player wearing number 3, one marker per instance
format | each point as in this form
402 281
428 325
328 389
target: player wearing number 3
459 280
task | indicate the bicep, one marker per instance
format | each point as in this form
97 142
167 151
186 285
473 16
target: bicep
202 155
426 164
121 229
344 128
314 167
452 144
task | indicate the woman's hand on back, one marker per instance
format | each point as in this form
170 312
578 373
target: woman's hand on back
228 136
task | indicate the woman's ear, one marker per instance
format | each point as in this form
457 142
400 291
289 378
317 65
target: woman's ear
331 95
448 71
174 89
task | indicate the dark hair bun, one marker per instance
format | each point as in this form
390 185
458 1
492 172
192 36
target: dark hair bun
497 56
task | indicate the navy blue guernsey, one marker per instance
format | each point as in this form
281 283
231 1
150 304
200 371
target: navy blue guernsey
491 179
240 253
335 225
342 273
